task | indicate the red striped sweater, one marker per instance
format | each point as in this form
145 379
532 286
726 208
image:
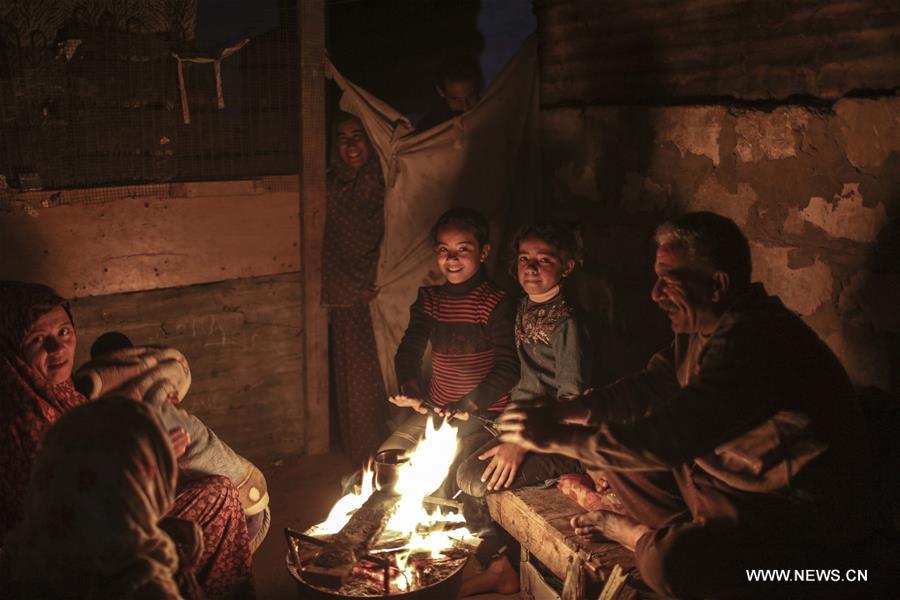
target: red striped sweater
473 355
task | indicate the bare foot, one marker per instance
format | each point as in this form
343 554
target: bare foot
602 524
499 577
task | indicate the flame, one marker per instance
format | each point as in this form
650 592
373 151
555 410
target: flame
345 507
423 474
407 578
426 469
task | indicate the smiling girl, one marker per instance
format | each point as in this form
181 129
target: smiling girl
554 358
469 323
354 226
554 348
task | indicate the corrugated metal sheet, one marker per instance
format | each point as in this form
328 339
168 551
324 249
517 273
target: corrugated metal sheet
613 51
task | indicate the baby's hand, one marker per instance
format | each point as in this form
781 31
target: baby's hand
406 401
181 439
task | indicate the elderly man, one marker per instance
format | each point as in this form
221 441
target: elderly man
738 447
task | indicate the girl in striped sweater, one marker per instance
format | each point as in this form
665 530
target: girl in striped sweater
469 322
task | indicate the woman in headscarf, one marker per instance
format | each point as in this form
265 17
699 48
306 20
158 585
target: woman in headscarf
354 226
102 481
37 350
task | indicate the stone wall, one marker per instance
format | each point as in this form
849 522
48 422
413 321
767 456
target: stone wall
815 187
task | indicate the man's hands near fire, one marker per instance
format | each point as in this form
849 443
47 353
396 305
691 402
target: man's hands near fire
505 461
535 425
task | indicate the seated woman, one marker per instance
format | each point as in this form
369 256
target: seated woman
103 479
37 350
161 377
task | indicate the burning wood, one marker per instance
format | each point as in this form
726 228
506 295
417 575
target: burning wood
370 577
389 536
334 563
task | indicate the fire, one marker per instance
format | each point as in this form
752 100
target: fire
427 466
345 507
423 474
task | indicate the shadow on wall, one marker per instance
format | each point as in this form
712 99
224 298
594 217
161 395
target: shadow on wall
592 158
879 295
25 252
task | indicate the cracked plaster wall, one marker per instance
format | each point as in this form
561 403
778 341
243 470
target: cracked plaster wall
816 190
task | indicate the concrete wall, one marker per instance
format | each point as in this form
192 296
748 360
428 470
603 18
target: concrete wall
782 115
816 190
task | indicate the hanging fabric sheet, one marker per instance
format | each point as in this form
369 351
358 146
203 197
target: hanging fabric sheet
486 159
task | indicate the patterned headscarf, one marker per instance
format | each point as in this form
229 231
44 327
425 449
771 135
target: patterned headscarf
102 480
28 405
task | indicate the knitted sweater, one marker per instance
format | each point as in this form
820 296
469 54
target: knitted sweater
473 354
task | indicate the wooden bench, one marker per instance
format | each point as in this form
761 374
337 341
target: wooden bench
539 518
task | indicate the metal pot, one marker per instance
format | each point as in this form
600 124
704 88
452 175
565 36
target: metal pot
387 468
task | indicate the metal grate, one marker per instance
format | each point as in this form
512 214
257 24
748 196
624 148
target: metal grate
100 103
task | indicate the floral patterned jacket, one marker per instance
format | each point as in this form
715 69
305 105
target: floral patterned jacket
555 351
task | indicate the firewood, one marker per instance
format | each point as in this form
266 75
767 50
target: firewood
615 588
575 585
334 563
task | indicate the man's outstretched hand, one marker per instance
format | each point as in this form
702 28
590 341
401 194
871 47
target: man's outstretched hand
534 425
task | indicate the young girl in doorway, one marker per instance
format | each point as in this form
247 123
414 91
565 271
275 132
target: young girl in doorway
555 359
354 226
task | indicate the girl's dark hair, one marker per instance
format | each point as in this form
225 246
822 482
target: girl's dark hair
562 236
464 218
339 118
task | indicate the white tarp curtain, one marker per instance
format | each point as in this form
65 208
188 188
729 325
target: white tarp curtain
485 159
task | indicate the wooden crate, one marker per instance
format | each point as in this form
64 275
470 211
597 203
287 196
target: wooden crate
540 520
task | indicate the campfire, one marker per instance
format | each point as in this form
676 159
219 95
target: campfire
390 537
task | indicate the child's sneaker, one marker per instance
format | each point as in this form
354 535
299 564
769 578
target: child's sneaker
253 492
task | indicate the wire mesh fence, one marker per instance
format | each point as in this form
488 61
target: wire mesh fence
92 97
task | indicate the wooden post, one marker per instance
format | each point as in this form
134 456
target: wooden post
311 39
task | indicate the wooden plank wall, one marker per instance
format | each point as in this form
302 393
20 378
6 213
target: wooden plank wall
209 268
109 240
243 340
621 51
